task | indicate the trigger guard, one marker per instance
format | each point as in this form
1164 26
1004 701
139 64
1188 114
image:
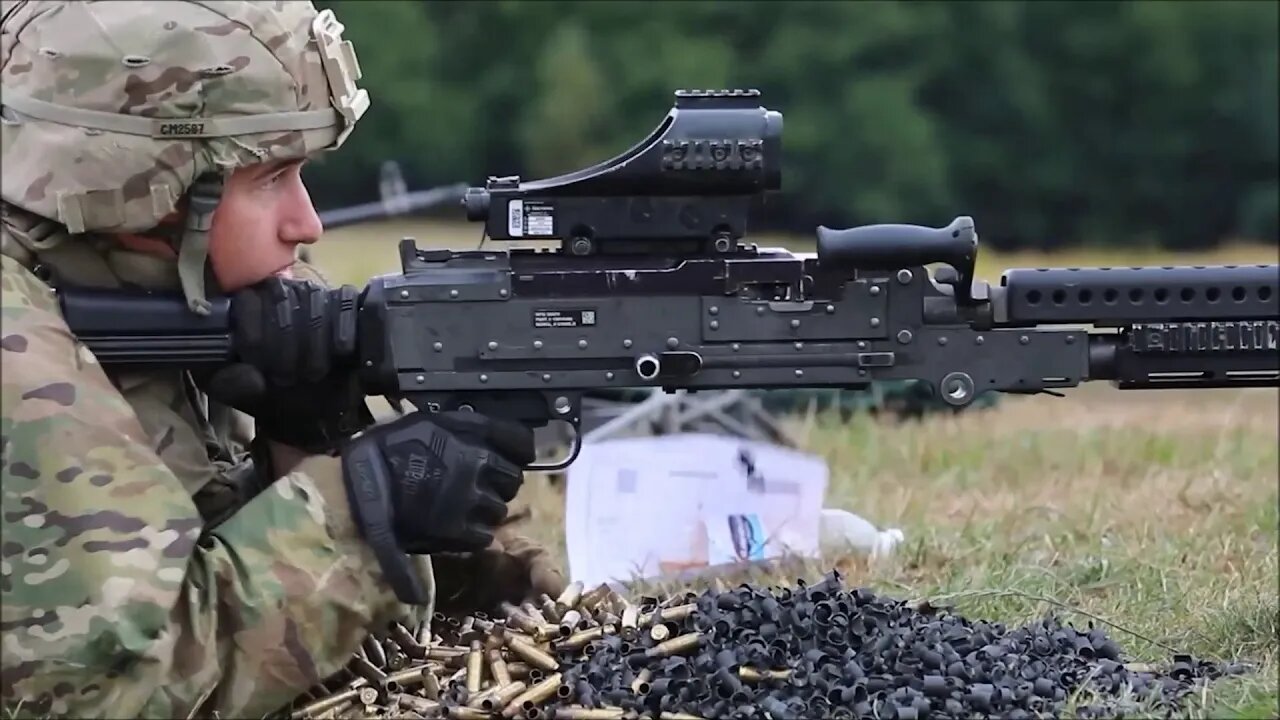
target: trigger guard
563 464
533 409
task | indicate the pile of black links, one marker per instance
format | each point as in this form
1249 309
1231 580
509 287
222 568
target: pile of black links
826 652
808 651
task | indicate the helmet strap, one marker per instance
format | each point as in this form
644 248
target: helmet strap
193 252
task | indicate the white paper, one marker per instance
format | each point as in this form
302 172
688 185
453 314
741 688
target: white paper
649 506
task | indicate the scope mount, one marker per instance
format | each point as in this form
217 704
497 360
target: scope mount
686 189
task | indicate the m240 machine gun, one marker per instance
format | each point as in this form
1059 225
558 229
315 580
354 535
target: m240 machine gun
654 285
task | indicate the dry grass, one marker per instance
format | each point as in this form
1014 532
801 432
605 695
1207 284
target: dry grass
1156 511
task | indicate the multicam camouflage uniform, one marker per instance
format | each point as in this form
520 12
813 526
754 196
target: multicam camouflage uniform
123 594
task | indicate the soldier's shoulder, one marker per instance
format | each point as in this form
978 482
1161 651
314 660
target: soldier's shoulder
23 292
97 534
55 393
37 352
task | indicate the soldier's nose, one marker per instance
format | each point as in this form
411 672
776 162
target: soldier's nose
300 222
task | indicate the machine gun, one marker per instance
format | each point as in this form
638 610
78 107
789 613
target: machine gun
653 285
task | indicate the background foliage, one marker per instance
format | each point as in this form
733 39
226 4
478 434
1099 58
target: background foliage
1052 123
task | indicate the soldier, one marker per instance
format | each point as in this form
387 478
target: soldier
154 562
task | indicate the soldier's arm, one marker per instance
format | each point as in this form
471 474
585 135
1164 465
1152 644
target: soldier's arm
116 601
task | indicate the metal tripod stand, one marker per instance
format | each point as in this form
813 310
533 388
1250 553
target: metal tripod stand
733 412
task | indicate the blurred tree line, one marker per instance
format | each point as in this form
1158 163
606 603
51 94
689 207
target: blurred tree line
1051 123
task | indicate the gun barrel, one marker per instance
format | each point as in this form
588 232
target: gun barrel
1188 355
1119 296
1178 326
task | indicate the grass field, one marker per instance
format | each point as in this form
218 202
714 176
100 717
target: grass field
1155 512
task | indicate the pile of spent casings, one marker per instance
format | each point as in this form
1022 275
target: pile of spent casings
816 651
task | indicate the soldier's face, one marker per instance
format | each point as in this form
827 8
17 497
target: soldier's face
264 213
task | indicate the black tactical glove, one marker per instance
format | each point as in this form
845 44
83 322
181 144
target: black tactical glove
296 343
512 569
433 483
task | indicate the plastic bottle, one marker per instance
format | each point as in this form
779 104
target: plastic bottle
843 530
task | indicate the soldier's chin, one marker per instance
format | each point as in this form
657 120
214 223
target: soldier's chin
285 272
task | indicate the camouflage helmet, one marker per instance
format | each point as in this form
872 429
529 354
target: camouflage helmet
114 110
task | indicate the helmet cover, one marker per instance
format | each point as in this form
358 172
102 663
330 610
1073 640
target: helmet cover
112 109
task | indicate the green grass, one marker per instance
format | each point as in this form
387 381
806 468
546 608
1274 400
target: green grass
1152 511
1155 514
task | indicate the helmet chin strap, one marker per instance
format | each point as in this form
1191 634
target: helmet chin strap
193 252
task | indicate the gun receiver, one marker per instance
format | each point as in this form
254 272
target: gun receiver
525 333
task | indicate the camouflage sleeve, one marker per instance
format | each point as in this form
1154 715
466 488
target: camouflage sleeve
115 604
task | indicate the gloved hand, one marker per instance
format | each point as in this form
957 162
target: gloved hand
296 342
513 568
430 483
